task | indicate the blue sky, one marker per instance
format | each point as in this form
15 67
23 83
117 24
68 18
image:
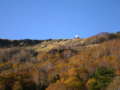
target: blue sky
57 19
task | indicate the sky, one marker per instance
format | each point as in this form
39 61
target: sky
57 19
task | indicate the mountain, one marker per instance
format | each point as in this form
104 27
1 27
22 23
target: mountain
91 63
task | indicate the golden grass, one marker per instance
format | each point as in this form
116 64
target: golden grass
48 45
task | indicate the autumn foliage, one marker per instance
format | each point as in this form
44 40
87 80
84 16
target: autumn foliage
62 68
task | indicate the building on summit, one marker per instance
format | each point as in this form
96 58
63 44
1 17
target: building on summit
76 36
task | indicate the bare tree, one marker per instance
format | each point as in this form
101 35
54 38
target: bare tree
39 78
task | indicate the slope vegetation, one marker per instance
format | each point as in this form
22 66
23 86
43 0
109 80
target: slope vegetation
63 64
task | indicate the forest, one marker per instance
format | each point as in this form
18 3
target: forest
92 63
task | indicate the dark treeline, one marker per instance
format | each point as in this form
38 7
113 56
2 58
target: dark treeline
25 42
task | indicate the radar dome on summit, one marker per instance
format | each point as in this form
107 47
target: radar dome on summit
76 36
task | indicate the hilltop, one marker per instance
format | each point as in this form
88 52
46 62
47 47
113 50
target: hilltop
91 63
48 44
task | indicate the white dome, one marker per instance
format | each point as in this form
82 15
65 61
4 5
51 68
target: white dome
76 36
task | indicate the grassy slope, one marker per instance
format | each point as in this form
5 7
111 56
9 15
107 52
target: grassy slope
48 45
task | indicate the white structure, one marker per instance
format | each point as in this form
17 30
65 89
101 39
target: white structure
76 36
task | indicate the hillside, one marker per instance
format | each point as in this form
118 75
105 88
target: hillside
91 63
